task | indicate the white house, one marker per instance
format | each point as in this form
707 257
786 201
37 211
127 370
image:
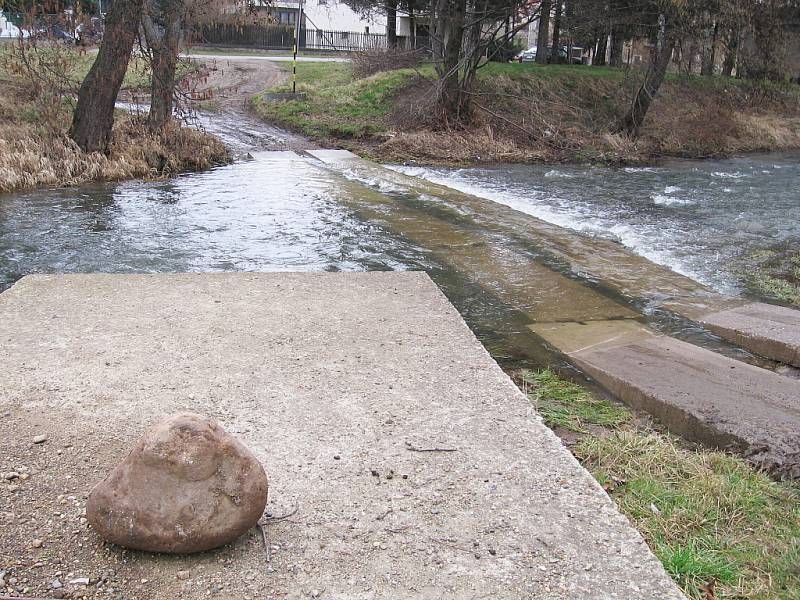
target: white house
335 15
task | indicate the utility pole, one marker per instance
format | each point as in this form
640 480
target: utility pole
296 44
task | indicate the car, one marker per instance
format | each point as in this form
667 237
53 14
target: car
528 55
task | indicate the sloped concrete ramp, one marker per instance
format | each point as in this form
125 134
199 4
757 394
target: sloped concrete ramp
701 395
416 467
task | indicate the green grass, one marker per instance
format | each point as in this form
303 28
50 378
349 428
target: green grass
336 105
707 515
519 70
565 404
773 274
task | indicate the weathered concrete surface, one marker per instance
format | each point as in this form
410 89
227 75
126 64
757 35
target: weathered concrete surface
704 396
328 378
771 331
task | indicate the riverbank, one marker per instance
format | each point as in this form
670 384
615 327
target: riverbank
774 273
36 151
720 528
530 113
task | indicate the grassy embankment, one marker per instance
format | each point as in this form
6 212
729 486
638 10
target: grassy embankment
774 273
709 517
526 112
35 149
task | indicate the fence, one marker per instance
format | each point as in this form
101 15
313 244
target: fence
277 37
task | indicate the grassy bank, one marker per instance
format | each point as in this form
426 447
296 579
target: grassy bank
774 273
36 151
721 529
526 112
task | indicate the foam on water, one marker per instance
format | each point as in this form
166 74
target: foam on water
676 215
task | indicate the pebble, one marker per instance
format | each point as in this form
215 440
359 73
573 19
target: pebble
11 475
56 584
13 488
183 575
40 439
37 543
79 581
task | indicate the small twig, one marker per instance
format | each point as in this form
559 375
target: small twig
381 517
266 542
263 529
286 516
416 449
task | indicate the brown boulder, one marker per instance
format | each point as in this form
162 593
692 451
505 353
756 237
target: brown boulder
187 486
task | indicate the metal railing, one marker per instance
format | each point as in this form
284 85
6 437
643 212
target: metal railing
279 37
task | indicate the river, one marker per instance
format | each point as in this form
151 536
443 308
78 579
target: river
700 218
280 212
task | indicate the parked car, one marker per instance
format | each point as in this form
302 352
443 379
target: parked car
528 55
560 56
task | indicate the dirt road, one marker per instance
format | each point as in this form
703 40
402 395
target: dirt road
228 84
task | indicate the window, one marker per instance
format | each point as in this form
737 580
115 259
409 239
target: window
287 17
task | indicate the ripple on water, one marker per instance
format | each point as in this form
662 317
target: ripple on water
677 215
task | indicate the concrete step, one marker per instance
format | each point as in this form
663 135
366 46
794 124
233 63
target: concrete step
766 329
697 393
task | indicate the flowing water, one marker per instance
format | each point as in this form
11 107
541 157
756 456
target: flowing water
697 217
281 212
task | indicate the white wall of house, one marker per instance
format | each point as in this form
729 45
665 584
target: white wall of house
333 15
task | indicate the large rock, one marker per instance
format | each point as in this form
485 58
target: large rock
187 486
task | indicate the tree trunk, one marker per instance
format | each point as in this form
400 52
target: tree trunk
412 26
730 54
617 46
93 118
161 23
543 37
556 47
710 64
391 23
600 55
448 41
632 122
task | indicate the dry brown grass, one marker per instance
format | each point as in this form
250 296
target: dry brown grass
440 147
36 152
30 159
558 115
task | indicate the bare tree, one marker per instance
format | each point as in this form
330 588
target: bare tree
543 36
93 118
162 22
653 79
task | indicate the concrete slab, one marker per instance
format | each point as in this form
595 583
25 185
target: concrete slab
768 330
328 378
575 337
697 393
